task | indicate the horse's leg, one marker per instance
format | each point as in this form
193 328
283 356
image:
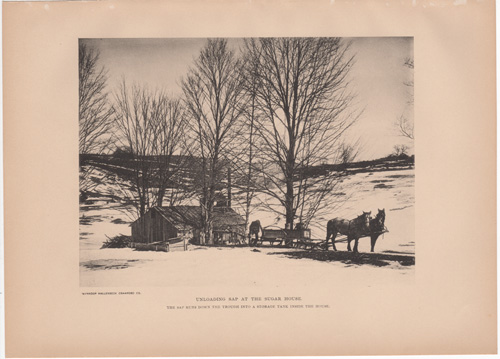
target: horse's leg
356 245
374 238
328 234
333 240
349 239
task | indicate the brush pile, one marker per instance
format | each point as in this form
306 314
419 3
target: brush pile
119 241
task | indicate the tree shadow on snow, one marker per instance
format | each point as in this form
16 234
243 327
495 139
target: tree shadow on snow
350 258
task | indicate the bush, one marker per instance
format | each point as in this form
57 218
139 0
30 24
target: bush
400 151
120 241
123 152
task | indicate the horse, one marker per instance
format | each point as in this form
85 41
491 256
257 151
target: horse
377 226
353 229
254 229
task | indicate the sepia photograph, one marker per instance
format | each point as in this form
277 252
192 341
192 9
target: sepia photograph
246 161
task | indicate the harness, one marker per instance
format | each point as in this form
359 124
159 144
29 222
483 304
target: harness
379 225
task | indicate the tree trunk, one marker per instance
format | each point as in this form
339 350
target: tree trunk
229 194
159 199
249 194
290 164
209 219
289 204
210 233
206 233
142 209
202 237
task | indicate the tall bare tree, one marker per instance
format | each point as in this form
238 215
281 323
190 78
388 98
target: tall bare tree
94 109
151 127
213 90
304 109
250 181
404 123
94 112
169 147
245 180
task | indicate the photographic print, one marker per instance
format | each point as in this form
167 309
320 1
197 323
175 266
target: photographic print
257 161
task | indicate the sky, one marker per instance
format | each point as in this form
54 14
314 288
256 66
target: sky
377 78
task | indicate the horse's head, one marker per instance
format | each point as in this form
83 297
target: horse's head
381 216
365 220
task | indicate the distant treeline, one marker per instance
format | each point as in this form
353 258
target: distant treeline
126 159
123 164
126 166
389 163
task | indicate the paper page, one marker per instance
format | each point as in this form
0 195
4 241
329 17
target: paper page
429 287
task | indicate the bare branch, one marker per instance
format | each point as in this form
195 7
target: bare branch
94 110
152 129
404 124
213 89
303 109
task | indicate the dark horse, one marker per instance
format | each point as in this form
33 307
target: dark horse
377 227
353 229
254 229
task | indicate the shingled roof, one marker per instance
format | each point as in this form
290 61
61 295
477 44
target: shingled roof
191 215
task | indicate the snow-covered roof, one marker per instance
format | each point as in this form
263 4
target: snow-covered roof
191 215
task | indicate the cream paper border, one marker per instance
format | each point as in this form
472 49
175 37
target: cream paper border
449 309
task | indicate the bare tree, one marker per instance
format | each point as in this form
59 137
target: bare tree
151 127
410 63
304 109
405 127
245 176
404 124
169 147
400 150
348 152
94 110
94 113
212 90
250 181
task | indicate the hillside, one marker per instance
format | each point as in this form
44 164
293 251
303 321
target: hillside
378 185
121 168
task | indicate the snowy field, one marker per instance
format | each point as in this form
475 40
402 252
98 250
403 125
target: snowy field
393 260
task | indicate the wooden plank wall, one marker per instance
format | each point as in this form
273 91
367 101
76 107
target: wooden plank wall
149 229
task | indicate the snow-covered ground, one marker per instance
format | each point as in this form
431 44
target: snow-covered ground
262 266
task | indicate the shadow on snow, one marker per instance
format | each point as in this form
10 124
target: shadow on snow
350 258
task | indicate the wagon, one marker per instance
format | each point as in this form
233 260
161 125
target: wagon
289 236
300 238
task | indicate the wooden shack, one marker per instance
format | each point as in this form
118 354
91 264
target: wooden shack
161 224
